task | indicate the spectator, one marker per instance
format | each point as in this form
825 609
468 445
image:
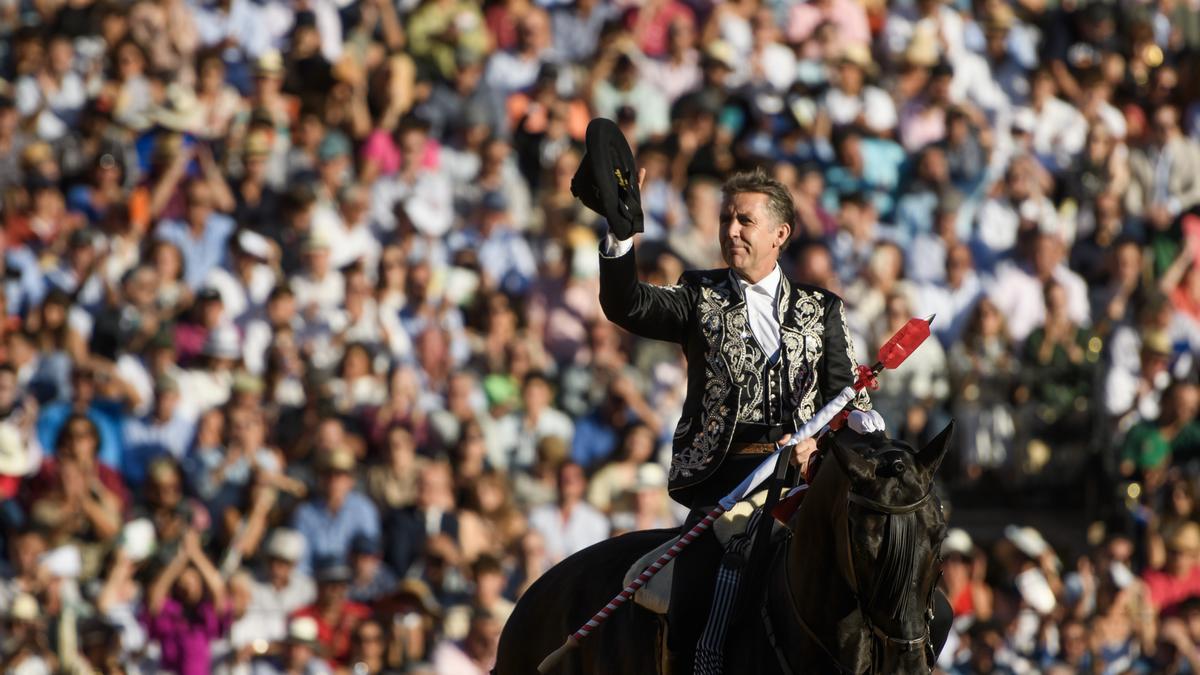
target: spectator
963 574
475 654
82 497
1161 196
393 484
202 235
1180 576
984 369
432 513
329 520
1057 365
336 616
372 579
1174 436
166 430
187 608
368 649
570 525
647 506
537 420
300 651
282 588
621 475
26 650
1044 264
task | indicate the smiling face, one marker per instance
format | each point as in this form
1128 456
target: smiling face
751 238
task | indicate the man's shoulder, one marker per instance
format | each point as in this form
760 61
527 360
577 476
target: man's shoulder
819 293
705 277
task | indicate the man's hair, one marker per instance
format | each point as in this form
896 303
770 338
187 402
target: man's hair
779 199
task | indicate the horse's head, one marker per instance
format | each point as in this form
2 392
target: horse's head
888 530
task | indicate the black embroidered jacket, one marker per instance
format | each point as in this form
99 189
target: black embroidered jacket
706 314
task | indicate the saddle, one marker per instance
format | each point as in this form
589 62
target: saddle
655 595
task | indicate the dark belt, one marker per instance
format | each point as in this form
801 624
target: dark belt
751 448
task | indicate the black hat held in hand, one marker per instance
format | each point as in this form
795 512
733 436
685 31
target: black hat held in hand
606 181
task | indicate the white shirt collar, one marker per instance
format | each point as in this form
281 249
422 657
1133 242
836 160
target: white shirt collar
767 286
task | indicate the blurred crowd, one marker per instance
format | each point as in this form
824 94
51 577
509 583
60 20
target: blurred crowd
302 367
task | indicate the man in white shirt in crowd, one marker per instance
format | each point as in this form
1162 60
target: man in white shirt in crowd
283 588
571 524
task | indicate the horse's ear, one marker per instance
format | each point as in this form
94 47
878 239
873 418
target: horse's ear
857 467
930 457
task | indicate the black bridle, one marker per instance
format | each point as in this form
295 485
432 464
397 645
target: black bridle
879 636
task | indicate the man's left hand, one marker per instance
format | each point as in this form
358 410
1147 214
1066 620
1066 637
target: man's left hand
800 451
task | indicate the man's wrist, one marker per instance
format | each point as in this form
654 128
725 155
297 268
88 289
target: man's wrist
611 247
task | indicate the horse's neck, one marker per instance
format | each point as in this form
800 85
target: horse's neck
819 592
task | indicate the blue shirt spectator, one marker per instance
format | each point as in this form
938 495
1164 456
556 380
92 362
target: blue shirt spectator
106 415
330 521
168 430
202 236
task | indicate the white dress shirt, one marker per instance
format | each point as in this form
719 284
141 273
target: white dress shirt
760 305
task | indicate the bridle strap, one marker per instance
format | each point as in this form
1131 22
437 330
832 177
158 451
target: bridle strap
906 645
887 509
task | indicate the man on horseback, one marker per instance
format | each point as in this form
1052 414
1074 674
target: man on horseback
764 354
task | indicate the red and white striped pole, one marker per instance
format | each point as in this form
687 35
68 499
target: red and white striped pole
891 355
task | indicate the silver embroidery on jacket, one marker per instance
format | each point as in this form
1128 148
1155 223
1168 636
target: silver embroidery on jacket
703 448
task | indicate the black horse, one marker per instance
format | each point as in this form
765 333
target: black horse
851 592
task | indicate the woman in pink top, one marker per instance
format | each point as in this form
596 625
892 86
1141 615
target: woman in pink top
186 610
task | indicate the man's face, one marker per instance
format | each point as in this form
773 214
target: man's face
572 484
537 395
83 386
331 594
412 147
281 309
62 55
199 205
298 654
1164 124
365 565
8 390
338 484
26 550
750 237
280 571
1045 256
140 290
1043 87
432 487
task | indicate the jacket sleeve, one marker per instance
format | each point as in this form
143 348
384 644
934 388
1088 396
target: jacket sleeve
839 367
646 310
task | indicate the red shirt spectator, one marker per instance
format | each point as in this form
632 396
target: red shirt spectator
651 24
1180 577
336 616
